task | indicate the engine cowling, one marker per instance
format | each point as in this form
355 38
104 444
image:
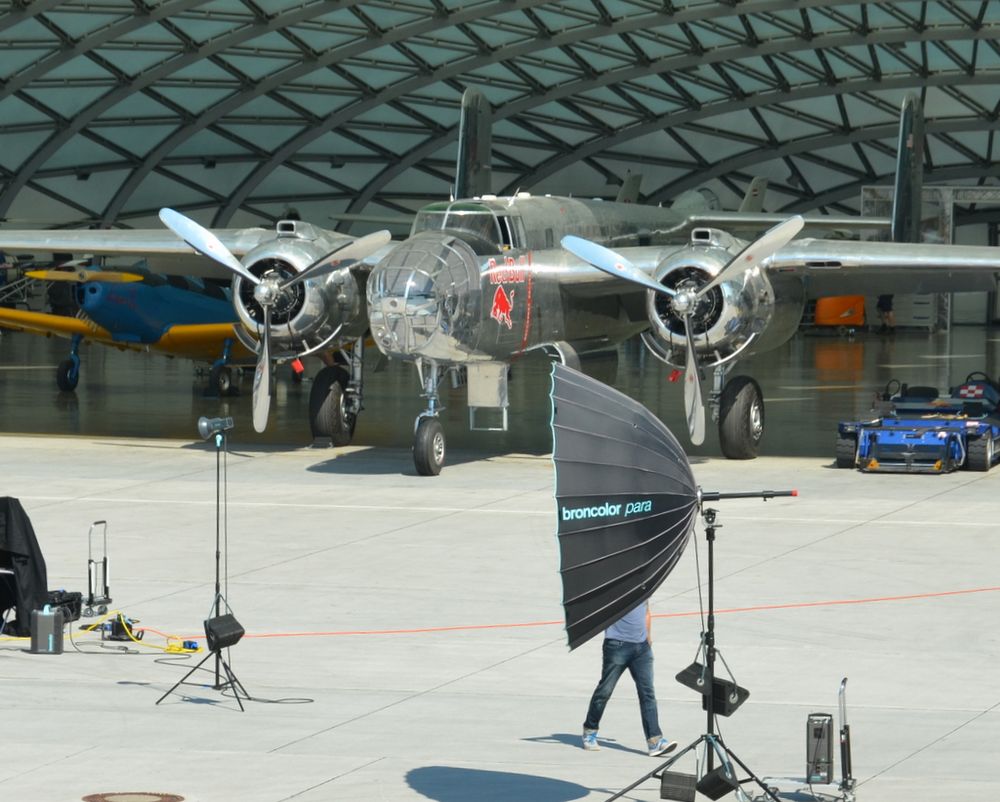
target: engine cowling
316 313
750 312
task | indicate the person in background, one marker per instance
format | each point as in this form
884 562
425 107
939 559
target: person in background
886 315
628 645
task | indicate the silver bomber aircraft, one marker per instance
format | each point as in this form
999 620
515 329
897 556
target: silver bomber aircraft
480 282
451 296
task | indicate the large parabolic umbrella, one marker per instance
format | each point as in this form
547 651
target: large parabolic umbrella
626 501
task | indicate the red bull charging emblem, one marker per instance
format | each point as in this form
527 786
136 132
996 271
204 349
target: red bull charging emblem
502 306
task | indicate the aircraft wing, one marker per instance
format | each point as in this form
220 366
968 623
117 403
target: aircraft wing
203 341
163 250
846 267
58 325
749 222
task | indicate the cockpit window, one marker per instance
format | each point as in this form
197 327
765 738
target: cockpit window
471 218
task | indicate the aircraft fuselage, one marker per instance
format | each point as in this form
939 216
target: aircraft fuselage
486 279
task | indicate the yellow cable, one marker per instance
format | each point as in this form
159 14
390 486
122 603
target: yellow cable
171 647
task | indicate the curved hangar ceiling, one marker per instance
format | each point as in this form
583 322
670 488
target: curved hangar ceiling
237 110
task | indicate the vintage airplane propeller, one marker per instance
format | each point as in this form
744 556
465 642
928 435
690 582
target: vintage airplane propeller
268 288
685 301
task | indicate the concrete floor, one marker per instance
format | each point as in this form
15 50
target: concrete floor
404 633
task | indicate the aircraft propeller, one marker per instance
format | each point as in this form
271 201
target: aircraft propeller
686 301
268 288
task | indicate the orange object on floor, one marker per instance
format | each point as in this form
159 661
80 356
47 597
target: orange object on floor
840 310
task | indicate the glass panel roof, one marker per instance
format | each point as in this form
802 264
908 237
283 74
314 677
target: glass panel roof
107 114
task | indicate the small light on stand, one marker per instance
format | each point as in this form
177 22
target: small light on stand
209 426
222 630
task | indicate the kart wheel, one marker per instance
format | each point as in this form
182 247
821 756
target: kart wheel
741 418
428 447
220 380
980 454
67 376
327 416
847 452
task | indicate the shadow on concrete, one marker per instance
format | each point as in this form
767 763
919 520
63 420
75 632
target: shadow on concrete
387 461
452 784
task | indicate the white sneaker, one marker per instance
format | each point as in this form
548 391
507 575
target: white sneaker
590 741
661 747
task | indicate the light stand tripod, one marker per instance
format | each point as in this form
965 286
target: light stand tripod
714 782
221 630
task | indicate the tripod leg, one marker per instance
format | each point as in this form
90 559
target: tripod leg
182 679
235 684
662 767
767 791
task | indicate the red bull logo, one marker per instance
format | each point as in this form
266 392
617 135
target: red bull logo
503 304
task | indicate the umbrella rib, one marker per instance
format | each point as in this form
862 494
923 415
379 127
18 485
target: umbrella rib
652 580
635 409
671 559
616 465
657 426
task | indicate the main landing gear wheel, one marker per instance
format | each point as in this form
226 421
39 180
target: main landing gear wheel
741 418
428 447
980 456
847 449
327 416
67 375
220 380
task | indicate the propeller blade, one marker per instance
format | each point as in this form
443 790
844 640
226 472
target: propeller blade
262 377
610 262
353 251
78 276
757 251
205 242
694 408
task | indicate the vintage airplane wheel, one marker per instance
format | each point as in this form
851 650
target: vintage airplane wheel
327 415
67 376
741 418
220 380
847 450
980 454
428 447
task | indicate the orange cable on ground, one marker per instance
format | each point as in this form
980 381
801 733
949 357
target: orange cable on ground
525 624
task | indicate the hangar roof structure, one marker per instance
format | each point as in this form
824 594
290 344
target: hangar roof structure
237 111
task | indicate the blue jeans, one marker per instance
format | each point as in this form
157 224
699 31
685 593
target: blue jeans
638 659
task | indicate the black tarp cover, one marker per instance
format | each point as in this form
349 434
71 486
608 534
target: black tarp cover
626 501
27 589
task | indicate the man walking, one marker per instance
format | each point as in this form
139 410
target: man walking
628 645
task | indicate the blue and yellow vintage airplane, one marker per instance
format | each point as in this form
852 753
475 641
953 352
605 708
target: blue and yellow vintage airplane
140 311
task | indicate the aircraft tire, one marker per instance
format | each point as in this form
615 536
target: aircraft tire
741 418
67 376
220 380
327 416
980 453
429 447
847 450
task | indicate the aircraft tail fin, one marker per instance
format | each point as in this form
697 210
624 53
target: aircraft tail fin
907 200
472 170
628 192
753 200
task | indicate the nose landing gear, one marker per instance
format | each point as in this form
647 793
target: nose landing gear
428 433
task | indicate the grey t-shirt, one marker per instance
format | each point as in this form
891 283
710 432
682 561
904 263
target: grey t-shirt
631 627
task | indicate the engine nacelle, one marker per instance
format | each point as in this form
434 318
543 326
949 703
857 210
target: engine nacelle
317 313
750 312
